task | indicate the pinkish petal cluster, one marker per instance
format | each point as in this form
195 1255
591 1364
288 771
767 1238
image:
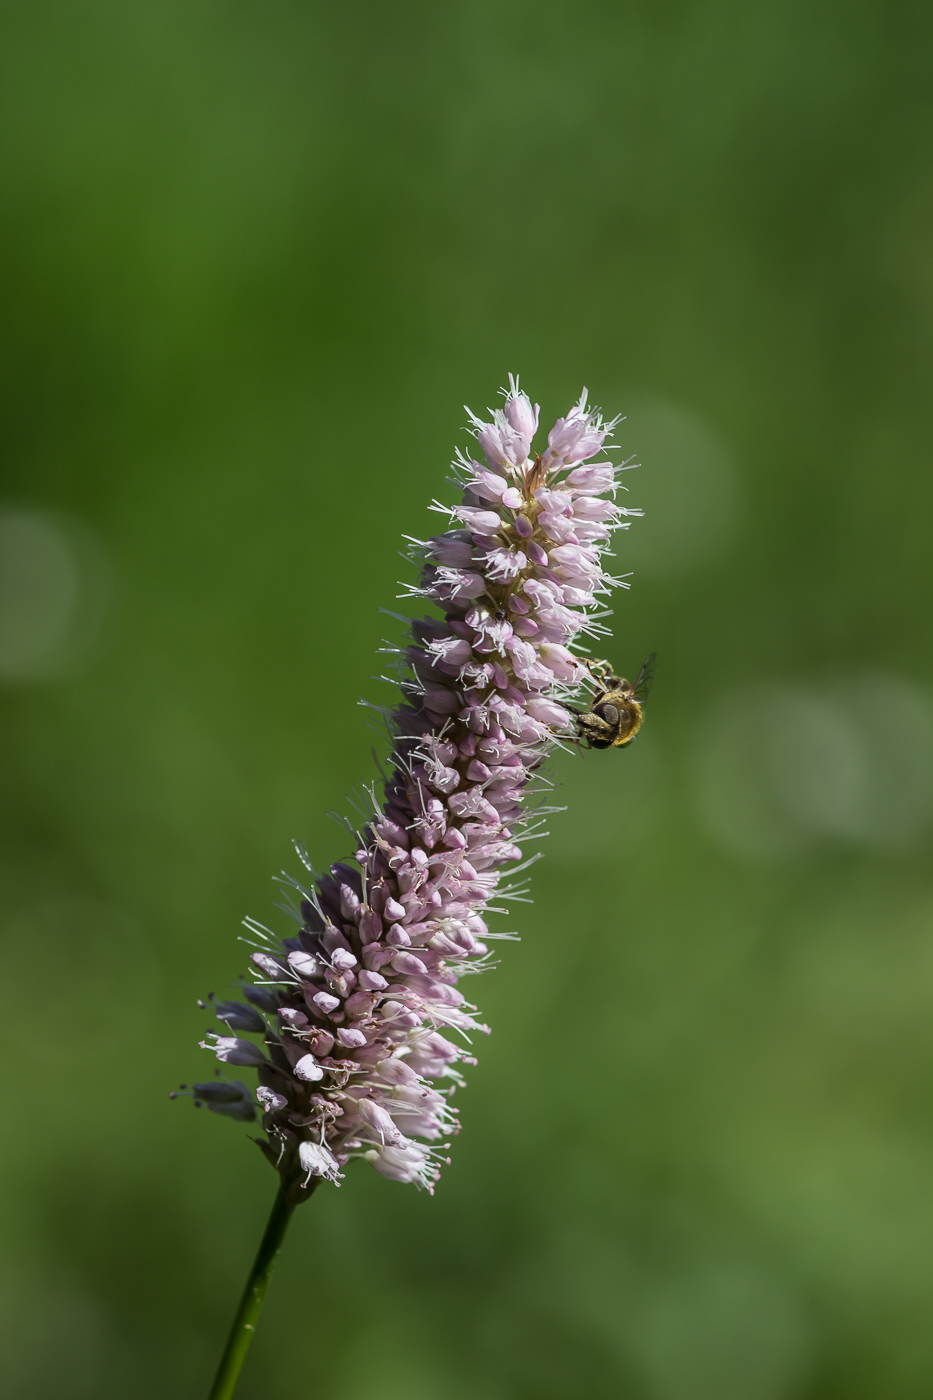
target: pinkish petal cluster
364 1026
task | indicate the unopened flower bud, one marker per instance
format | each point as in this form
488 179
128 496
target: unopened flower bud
351 1039
267 965
263 997
306 965
379 1120
291 1017
407 962
229 1098
239 1017
216 1091
325 1002
521 416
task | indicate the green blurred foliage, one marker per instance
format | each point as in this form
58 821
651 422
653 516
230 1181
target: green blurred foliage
255 257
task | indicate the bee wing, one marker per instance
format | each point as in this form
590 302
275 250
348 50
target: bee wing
644 679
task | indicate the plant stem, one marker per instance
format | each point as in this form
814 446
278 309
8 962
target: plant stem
244 1324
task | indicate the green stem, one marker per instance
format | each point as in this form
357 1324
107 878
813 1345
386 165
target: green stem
244 1324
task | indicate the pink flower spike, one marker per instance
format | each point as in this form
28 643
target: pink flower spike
352 1061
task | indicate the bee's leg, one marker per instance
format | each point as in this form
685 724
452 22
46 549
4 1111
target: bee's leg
599 670
575 738
591 727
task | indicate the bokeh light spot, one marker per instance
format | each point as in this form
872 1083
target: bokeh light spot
723 1331
783 766
685 484
54 589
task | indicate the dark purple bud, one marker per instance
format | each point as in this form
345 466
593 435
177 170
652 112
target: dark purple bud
220 1091
312 916
263 997
239 1017
348 875
231 1099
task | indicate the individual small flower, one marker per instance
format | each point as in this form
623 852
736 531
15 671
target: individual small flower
363 1029
315 1160
506 441
232 1050
519 412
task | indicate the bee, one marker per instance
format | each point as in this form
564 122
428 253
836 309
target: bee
615 713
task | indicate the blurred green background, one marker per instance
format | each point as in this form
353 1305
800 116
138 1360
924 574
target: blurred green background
254 260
